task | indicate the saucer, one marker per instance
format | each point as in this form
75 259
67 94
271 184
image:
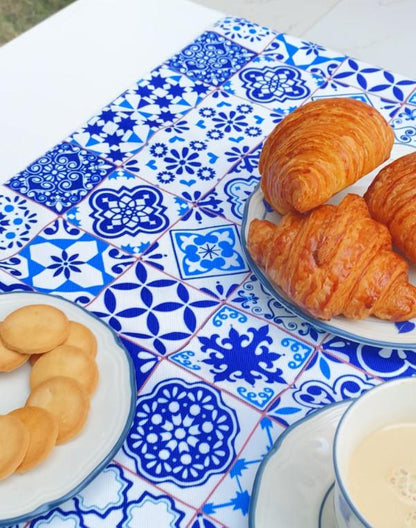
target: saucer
294 483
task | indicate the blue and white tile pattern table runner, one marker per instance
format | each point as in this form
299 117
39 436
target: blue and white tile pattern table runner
136 217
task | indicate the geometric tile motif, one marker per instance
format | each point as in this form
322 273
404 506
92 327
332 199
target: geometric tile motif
325 380
64 260
211 58
182 433
245 32
123 126
237 352
127 212
303 54
61 177
20 219
152 309
375 80
278 86
208 252
404 126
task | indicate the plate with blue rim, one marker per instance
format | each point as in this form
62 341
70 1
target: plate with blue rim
295 480
371 331
73 465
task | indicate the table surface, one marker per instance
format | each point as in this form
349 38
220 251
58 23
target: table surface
147 143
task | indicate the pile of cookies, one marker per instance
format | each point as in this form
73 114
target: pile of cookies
64 376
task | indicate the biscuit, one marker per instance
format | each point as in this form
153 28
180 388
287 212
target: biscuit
43 432
14 441
66 399
34 329
81 337
10 359
66 360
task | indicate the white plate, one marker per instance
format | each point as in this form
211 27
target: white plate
372 331
73 465
293 485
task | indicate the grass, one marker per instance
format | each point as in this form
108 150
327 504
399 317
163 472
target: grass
17 16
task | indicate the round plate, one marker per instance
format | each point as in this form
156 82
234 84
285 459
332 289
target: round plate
372 331
73 465
293 485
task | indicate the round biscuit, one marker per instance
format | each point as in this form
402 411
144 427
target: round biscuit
66 399
34 329
14 441
81 337
43 432
66 360
10 359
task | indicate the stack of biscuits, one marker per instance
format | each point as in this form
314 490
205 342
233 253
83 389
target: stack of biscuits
63 378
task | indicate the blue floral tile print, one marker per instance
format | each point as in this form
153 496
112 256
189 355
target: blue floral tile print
384 363
20 220
203 522
153 309
386 107
117 498
207 258
123 126
412 98
279 86
244 355
229 197
61 177
325 380
303 54
64 260
375 80
230 502
211 58
207 252
9 284
194 154
404 126
127 212
253 298
182 433
244 32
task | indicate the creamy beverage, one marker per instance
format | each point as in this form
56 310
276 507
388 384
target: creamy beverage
381 477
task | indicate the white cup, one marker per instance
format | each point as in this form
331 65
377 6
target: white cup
392 402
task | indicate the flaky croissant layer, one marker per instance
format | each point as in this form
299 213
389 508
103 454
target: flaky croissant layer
319 149
335 260
391 200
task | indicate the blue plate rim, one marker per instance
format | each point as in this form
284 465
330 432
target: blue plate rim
47 506
276 446
322 325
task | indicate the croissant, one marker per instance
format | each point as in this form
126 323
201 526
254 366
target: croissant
391 199
335 260
319 149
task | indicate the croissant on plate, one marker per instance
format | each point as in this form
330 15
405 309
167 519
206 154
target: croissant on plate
319 149
391 199
335 260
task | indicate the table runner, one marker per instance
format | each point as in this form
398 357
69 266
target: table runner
136 216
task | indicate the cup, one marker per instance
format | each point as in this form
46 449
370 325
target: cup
391 403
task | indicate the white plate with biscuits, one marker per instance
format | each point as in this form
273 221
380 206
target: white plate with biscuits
372 331
107 393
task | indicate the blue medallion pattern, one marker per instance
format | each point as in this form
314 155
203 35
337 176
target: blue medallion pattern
208 252
137 216
183 433
128 211
62 177
211 58
273 84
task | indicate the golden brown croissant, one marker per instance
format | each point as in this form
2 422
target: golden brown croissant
335 260
391 199
319 149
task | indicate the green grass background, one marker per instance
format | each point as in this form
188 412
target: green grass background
17 16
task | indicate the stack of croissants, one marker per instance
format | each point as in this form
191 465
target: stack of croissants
349 259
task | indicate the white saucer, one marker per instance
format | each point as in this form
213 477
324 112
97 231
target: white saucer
294 483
